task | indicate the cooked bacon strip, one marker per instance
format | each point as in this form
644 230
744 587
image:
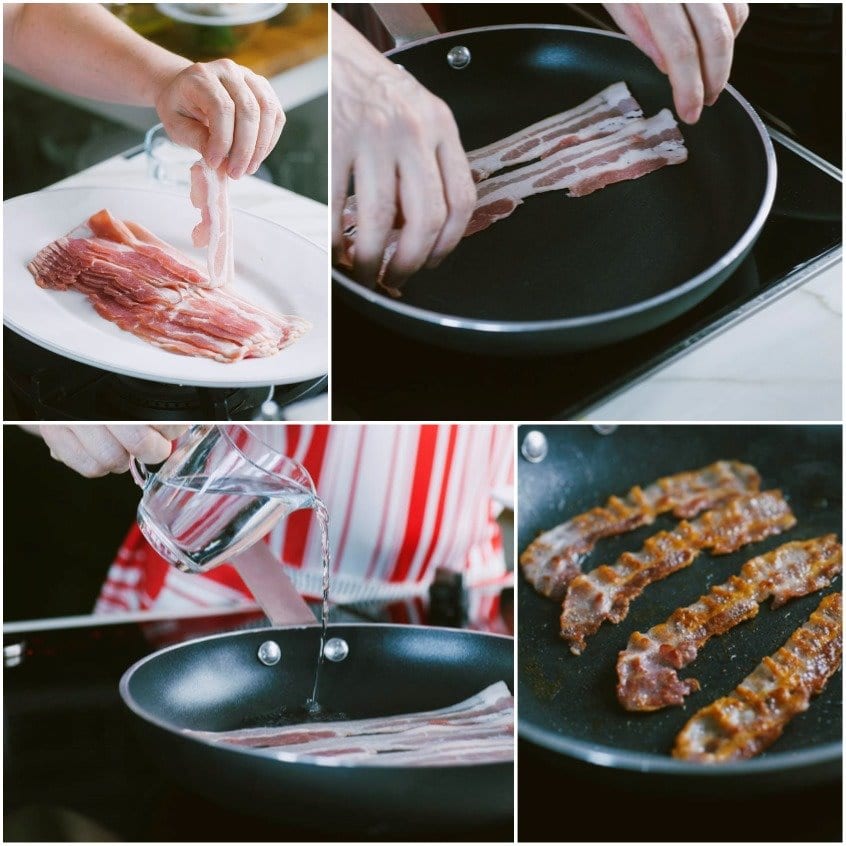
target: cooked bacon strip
642 146
148 288
646 670
606 112
606 592
210 194
554 558
755 714
478 730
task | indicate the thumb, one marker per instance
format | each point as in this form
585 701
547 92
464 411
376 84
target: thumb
188 132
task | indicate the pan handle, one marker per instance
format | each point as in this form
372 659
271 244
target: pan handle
405 22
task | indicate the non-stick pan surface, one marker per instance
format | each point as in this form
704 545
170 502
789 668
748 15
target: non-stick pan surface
218 683
564 273
567 704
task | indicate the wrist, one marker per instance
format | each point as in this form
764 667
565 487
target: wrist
160 74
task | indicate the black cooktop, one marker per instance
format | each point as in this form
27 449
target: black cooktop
380 375
40 385
74 770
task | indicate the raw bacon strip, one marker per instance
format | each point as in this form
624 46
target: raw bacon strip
210 194
642 146
478 730
148 288
603 114
606 592
755 714
646 670
554 558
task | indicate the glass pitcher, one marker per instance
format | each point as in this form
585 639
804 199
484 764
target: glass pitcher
217 495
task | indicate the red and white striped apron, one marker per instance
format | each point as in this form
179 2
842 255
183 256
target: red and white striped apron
402 501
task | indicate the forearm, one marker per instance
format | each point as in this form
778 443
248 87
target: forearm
351 49
83 49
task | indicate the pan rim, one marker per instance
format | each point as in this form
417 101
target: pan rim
540 326
649 762
165 725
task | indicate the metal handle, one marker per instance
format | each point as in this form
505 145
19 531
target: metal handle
405 22
139 472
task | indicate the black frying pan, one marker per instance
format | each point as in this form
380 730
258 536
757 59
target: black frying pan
218 683
566 274
567 704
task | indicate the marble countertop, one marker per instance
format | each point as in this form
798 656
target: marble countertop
782 363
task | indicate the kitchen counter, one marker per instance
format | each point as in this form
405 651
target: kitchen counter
749 372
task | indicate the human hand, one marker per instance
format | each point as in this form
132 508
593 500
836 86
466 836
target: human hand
96 451
224 111
401 145
692 43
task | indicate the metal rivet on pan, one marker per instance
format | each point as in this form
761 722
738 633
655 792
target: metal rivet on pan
605 429
336 649
534 446
13 654
269 653
459 58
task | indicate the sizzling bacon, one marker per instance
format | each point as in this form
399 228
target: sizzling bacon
210 194
606 592
146 287
477 731
646 669
755 714
603 114
554 558
640 147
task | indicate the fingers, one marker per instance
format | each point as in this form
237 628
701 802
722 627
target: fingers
676 41
737 13
460 194
271 119
715 35
341 168
631 19
145 443
219 111
246 120
424 212
375 177
89 450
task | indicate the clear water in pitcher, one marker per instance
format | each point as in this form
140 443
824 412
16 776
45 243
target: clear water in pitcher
199 524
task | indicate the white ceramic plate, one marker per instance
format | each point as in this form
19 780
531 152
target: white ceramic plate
274 268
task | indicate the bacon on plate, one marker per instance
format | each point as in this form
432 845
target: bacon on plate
147 287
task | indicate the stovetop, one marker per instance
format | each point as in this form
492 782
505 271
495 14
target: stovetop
73 766
40 385
415 381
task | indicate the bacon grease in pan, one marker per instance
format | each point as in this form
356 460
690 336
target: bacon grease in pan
647 677
479 730
601 115
755 714
606 592
147 287
554 558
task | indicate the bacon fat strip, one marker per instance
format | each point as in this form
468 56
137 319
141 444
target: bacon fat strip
640 147
647 677
755 714
554 558
477 730
606 592
602 114
210 194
